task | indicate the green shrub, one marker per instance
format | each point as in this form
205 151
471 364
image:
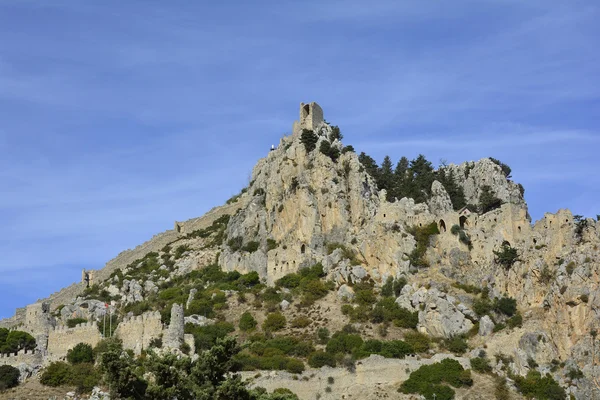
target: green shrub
56 374
457 345
506 256
9 377
428 380
319 359
274 322
331 151
542 388
387 310
481 365
309 139
81 353
247 322
300 322
387 349
465 239
294 366
488 200
271 244
364 294
251 247
575 373
235 243
180 250
393 287
323 335
570 267
506 305
206 337
516 321
422 236
467 288
418 341
455 229
342 342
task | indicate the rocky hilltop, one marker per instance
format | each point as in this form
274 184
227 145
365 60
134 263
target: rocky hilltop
460 254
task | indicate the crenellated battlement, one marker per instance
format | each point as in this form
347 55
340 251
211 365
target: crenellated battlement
30 357
138 331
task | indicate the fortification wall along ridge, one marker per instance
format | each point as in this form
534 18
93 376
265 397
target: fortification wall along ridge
30 357
137 332
62 339
207 219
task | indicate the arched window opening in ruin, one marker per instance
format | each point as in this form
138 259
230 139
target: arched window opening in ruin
306 110
567 220
506 243
534 241
442 226
519 228
383 215
303 249
463 221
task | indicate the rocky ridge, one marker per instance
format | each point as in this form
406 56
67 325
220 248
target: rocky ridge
305 207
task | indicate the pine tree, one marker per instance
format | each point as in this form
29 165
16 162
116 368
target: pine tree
423 176
370 166
386 178
401 178
454 190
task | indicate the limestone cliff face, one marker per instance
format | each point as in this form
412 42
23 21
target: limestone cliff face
304 207
299 202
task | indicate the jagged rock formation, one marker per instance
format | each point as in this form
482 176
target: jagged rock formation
305 206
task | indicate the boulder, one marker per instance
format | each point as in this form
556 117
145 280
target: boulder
346 292
486 326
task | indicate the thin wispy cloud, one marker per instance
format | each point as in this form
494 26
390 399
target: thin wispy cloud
117 120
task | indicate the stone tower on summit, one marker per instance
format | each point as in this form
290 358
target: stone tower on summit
311 117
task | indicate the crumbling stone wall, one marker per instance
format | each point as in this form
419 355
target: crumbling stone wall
137 332
311 117
173 337
185 227
22 357
62 339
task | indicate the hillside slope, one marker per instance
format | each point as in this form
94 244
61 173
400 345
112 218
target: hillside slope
316 237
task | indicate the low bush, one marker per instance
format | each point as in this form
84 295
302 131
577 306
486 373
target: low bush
206 337
300 322
343 342
393 287
81 353
319 359
481 365
387 349
250 247
457 345
387 310
247 322
506 256
274 322
9 377
534 385
422 236
418 341
429 380
506 305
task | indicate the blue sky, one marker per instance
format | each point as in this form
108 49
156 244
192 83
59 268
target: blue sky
118 118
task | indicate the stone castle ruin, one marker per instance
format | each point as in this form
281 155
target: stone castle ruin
304 207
